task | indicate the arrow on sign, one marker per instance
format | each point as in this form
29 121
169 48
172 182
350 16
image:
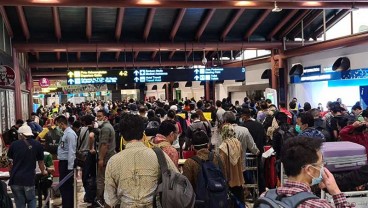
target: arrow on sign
196 71
71 81
70 74
136 79
196 78
136 72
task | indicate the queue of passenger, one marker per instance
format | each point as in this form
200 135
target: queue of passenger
113 144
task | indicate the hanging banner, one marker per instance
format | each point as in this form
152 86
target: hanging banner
7 76
44 83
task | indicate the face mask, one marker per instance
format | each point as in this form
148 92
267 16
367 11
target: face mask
298 129
241 122
99 123
318 180
58 128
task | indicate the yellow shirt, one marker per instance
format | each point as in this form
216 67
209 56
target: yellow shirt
44 132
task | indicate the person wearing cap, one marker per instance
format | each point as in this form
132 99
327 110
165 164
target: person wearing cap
201 145
25 152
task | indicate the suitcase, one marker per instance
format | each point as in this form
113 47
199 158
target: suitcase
343 156
357 198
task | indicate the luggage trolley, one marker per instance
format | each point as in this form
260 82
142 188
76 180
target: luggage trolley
251 176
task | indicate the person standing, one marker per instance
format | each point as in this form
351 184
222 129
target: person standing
66 155
25 152
106 150
133 174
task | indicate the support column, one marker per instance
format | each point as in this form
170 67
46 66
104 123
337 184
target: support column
170 92
274 70
30 89
18 93
141 92
209 90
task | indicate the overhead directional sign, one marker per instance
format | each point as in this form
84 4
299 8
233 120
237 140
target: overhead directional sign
96 77
154 75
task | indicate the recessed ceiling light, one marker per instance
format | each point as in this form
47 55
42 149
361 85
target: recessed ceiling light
178 49
148 2
311 3
244 3
45 1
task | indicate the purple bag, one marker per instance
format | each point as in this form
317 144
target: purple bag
343 156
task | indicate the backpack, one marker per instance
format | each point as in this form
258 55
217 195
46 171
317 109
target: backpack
152 128
5 200
10 136
52 140
273 200
174 189
212 189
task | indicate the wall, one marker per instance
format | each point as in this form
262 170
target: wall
316 92
253 74
357 55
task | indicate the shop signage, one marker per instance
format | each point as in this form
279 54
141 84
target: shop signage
7 75
44 82
154 75
312 70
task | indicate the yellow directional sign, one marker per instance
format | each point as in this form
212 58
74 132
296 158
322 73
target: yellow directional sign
70 74
123 73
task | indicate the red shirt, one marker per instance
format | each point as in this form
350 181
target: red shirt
291 188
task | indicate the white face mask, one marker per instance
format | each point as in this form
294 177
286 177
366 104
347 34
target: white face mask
95 125
99 123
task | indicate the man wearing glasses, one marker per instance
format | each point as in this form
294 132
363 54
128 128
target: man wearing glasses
303 164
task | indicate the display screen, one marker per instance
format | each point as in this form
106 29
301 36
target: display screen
153 75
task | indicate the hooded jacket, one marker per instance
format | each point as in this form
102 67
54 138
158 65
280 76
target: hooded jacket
347 134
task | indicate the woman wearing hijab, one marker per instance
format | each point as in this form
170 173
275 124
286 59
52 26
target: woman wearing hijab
232 157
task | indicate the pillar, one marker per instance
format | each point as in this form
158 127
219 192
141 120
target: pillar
17 91
209 90
274 70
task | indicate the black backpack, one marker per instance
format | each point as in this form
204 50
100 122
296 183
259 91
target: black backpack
5 200
52 140
274 200
211 188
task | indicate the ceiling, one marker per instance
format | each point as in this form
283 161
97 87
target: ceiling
114 34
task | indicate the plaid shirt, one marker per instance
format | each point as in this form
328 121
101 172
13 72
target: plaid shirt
291 188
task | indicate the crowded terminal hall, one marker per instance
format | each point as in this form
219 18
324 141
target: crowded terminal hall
183 104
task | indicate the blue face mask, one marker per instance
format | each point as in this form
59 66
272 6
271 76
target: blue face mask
298 129
318 180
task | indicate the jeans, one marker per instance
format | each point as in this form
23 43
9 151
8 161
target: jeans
24 195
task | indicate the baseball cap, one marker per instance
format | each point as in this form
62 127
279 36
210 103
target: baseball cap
25 130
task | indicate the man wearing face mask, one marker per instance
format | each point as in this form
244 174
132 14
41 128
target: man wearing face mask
302 160
66 155
356 132
106 149
167 134
86 145
305 126
25 152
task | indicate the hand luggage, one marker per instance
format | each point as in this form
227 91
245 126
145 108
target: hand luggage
343 156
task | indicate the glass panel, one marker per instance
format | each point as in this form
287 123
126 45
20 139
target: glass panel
340 29
25 108
7 43
360 20
11 108
1 34
2 111
263 52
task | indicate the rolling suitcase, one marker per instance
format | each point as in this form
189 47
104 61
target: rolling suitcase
343 156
